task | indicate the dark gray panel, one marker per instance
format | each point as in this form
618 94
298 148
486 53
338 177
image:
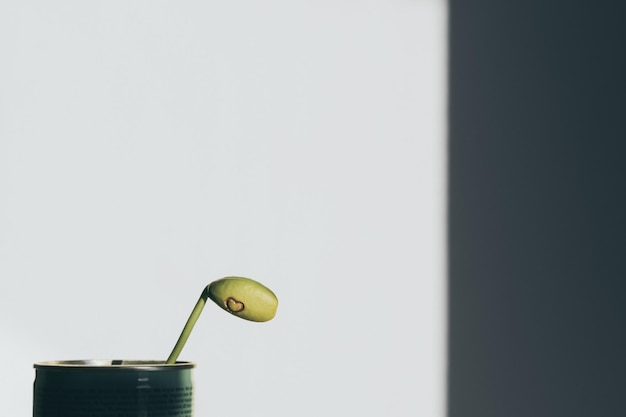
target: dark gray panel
537 201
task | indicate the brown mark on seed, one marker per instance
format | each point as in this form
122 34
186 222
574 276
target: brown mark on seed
233 305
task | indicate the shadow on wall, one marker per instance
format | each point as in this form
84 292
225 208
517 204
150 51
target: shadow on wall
537 198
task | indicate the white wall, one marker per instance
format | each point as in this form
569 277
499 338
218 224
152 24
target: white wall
150 147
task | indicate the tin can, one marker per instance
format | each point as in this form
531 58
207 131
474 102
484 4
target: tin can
113 388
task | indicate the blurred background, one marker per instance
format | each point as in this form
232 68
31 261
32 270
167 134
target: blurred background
536 208
150 147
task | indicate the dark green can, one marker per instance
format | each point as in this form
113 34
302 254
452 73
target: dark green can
113 388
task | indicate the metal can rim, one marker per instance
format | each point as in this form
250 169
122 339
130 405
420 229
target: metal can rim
113 365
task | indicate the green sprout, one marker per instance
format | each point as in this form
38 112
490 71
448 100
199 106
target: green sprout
242 297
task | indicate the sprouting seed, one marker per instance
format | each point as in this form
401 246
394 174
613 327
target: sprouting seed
242 297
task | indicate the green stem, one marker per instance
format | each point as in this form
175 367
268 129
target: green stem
191 321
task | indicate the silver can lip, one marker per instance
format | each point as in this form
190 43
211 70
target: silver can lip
113 364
